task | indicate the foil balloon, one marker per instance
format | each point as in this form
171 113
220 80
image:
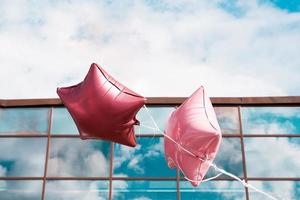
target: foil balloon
103 108
193 137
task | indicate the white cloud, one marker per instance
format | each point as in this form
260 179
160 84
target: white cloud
228 119
3 171
168 49
134 164
126 154
142 198
118 185
265 127
16 151
270 120
85 190
156 149
280 189
84 160
271 157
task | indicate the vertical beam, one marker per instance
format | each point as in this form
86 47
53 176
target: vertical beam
47 152
111 169
243 151
178 183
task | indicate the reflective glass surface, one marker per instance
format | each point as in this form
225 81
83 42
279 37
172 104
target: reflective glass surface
229 157
272 157
160 115
144 190
271 120
269 157
77 190
147 159
76 157
278 189
22 156
212 190
62 122
24 120
228 119
25 190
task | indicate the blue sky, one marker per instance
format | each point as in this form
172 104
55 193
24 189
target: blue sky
155 47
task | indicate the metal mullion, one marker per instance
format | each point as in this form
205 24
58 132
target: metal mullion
160 135
81 178
274 178
149 135
145 178
243 151
23 136
247 101
21 178
178 183
64 136
47 152
217 179
157 135
111 169
271 135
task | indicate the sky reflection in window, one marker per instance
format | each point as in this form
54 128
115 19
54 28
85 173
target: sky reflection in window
147 159
160 115
271 120
228 119
123 190
62 122
22 156
272 157
24 120
279 189
21 189
76 157
77 190
212 190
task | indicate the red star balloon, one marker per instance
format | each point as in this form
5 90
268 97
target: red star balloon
194 127
103 108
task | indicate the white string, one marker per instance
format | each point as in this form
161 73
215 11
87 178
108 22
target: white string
222 171
149 127
211 178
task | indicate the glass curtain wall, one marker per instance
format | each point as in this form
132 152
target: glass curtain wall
42 157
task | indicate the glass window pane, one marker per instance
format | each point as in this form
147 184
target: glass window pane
228 119
77 190
160 115
272 157
62 122
22 156
278 189
212 190
25 190
144 190
147 159
24 120
76 157
229 157
271 120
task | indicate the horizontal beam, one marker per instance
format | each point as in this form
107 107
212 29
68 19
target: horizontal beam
283 100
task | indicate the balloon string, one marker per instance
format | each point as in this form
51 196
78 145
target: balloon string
222 171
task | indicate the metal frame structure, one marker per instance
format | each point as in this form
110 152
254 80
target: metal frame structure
236 102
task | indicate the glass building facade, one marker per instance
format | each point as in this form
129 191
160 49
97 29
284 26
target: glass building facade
42 156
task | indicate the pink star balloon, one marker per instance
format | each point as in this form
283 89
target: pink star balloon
194 127
103 108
